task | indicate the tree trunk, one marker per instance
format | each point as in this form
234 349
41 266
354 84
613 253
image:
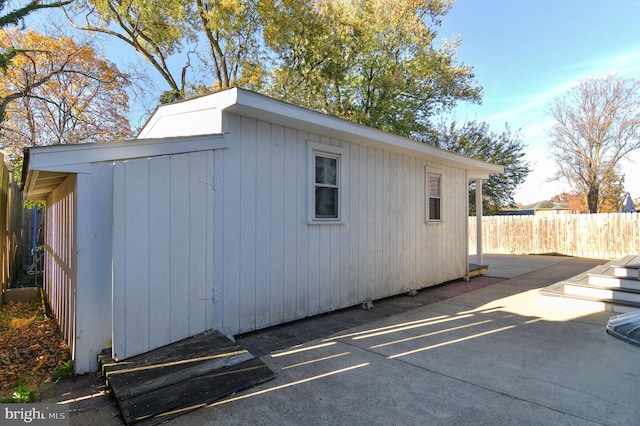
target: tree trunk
592 199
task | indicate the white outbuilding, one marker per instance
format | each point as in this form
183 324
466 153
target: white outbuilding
235 212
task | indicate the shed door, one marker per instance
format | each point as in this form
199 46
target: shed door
162 251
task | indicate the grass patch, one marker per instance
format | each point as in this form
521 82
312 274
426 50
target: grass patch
21 394
64 371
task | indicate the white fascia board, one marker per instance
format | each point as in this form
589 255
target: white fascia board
70 157
261 107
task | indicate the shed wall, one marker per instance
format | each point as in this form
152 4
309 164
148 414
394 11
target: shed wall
272 266
221 239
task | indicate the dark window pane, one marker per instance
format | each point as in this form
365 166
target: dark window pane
326 202
434 208
326 169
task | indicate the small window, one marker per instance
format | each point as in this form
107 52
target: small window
325 177
327 191
434 188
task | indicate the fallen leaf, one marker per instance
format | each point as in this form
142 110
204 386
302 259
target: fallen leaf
41 362
22 322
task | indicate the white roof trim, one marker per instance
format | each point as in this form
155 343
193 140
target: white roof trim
70 157
48 166
259 106
203 116
254 105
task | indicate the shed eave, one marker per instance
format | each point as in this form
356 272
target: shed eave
261 107
48 166
56 156
39 184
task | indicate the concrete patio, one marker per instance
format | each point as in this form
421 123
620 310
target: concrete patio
494 355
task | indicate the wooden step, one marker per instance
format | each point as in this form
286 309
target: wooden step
555 295
155 386
608 281
601 293
631 261
627 267
599 287
624 272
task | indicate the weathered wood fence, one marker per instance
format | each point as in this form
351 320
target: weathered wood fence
596 236
10 220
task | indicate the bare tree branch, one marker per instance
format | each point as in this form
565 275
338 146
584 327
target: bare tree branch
597 126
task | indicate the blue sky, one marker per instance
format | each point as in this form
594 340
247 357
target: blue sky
527 53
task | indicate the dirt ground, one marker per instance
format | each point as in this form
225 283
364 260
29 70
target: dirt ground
31 347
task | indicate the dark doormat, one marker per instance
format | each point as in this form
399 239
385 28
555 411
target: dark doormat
625 327
175 379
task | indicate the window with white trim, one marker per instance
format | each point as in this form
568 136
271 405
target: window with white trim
325 178
434 193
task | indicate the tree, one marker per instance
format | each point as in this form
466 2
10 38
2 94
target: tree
474 139
597 125
366 61
233 30
69 94
15 16
155 29
159 30
9 52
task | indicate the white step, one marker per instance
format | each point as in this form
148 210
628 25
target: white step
601 293
614 282
622 272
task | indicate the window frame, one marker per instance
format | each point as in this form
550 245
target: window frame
431 172
315 150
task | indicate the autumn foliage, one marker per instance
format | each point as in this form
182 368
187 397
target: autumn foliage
578 202
31 347
66 93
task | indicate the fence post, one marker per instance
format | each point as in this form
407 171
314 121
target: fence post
479 207
10 205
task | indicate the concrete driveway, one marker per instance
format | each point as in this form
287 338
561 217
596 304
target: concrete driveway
496 355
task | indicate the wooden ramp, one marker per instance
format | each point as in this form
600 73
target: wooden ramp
166 382
477 270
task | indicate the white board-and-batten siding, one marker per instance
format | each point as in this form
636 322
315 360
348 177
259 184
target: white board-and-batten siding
162 250
221 239
271 266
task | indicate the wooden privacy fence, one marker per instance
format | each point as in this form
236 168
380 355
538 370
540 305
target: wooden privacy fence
596 236
10 218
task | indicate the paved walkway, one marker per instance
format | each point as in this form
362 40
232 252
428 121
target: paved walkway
484 352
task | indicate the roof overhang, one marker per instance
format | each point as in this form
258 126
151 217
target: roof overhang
254 105
205 114
44 168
